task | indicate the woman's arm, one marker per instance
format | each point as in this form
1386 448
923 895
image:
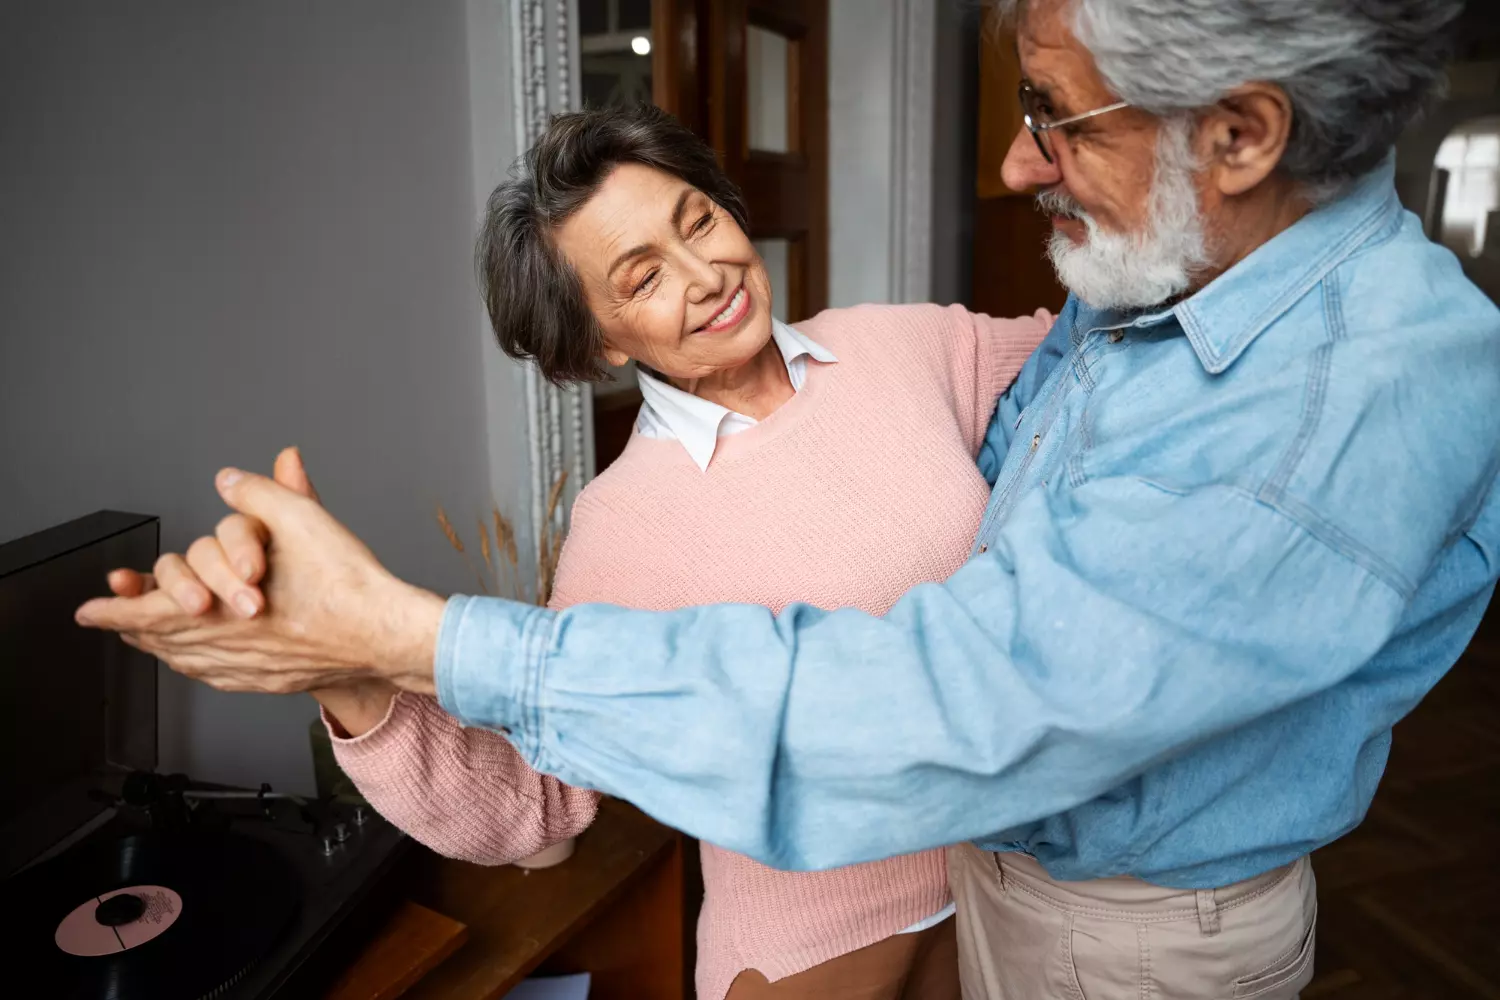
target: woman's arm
990 353
465 793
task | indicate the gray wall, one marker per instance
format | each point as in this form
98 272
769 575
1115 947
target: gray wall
861 59
228 227
862 147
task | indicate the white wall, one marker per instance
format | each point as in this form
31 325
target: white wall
232 226
861 55
900 126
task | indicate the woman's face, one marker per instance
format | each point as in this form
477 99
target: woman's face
674 283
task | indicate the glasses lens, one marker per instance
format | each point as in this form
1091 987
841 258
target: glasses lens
1032 119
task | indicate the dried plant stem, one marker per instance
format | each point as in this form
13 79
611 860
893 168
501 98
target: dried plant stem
501 560
458 546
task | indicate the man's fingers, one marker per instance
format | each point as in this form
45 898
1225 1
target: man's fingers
264 499
244 541
291 473
174 578
129 583
207 560
149 612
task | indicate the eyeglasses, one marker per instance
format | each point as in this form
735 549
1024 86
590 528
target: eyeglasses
1039 127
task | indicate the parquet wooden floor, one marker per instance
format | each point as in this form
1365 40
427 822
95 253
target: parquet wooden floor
1409 903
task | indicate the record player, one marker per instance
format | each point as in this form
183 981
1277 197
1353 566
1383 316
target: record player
123 883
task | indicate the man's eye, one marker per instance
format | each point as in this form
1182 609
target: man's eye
703 223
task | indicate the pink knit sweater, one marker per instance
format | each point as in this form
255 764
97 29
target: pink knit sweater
860 487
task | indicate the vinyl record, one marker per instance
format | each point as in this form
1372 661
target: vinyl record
149 917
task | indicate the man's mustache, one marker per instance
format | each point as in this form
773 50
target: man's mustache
1056 202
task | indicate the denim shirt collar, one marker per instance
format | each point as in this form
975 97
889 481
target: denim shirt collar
1225 317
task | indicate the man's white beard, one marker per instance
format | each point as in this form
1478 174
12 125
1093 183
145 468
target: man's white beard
1137 270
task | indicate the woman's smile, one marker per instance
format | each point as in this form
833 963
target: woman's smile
731 316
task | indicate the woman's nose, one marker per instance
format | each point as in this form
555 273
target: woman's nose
705 279
1025 168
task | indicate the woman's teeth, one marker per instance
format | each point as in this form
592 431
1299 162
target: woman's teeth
729 310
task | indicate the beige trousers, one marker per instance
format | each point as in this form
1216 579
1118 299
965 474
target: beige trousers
1023 936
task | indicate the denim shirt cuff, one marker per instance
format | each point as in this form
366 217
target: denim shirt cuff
489 666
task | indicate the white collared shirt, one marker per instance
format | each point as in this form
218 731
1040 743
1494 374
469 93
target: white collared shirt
668 412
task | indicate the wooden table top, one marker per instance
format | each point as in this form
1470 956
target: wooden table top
517 918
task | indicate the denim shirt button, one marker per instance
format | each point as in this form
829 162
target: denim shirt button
1036 440
984 548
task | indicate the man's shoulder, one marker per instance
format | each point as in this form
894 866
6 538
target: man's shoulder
1396 440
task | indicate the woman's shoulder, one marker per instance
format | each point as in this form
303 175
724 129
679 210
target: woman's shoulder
877 317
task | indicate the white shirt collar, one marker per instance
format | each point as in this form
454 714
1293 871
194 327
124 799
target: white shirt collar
669 412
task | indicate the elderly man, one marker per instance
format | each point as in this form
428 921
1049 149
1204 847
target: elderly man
1245 516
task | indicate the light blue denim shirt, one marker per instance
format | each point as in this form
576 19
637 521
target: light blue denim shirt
1229 545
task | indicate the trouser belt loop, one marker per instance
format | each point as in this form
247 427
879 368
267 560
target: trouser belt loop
1208 912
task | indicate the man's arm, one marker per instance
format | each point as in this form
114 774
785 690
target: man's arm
1093 639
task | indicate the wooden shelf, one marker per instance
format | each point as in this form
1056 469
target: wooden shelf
614 909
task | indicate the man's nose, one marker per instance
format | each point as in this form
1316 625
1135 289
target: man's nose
1025 168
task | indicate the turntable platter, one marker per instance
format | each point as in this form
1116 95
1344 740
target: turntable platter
151 917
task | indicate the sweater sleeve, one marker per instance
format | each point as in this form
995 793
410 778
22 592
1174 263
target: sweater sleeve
465 793
989 353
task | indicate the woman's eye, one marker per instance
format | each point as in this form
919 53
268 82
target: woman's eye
646 282
703 223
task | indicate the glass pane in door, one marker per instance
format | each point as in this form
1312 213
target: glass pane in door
614 40
769 85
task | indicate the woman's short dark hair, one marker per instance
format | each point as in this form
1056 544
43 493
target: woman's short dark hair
534 297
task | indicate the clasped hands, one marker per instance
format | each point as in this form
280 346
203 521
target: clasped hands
283 598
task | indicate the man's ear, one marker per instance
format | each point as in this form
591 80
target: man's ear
1244 136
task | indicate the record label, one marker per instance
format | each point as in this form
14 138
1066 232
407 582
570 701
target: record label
84 932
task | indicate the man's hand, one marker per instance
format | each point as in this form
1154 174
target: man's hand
328 612
228 565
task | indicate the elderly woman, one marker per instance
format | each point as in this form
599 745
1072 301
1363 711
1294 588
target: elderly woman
831 463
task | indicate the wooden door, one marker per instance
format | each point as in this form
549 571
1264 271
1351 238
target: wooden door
767 116
751 77
1012 275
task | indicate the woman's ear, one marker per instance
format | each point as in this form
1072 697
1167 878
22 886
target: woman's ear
1244 136
615 358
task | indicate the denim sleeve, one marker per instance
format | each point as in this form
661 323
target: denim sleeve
1093 638
1028 383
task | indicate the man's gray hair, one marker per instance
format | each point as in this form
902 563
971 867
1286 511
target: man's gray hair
1356 71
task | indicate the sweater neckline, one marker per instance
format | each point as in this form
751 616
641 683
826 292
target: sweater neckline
785 417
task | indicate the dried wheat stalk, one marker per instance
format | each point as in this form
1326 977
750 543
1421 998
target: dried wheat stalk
451 534
501 559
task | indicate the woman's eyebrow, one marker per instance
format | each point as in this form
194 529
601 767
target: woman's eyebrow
678 211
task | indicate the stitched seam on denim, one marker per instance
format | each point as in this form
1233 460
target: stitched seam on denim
536 640
1314 395
1052 393
1358 235
1076 476
447 643
1335 539
1084 371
